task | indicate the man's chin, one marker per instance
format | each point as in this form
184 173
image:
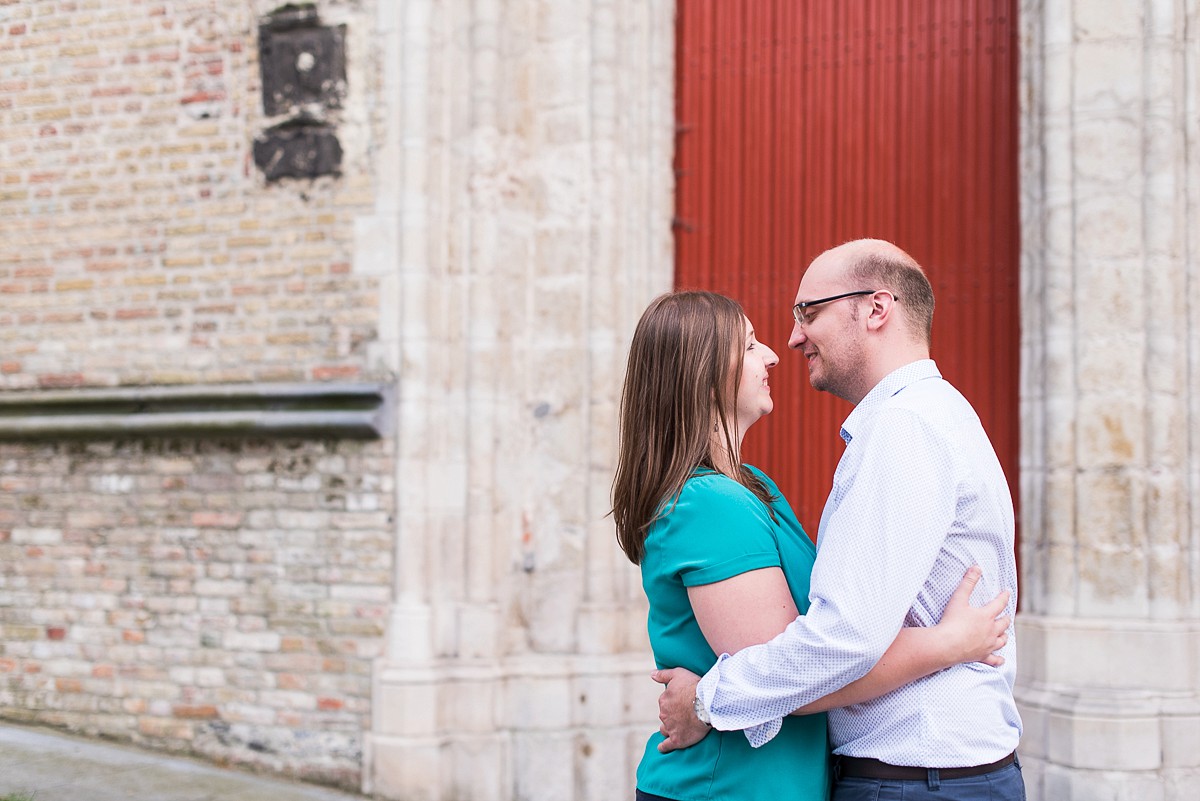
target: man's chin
821 385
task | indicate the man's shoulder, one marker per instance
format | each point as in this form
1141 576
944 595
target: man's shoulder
929 410
931 398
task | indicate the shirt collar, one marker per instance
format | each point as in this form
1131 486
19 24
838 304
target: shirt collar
891 384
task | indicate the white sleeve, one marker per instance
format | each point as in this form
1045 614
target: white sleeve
881 541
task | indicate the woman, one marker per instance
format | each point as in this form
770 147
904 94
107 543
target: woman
724 562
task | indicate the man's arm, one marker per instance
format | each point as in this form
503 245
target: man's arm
892 506
964 634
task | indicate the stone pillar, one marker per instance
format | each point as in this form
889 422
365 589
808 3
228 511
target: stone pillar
1109 635
529 160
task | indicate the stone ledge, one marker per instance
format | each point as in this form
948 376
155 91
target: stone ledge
1108 654
352 411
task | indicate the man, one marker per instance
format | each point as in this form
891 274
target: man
917 498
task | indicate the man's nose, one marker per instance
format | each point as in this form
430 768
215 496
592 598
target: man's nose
798 338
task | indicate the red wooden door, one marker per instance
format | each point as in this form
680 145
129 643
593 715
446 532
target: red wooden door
802 125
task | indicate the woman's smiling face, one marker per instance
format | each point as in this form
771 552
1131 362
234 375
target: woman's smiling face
754 392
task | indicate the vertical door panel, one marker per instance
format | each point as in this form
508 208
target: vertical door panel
805 124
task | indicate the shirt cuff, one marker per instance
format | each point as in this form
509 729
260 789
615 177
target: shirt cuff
728 719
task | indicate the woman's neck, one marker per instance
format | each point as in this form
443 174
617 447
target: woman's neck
724 461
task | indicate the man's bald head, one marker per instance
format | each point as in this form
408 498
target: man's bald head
878 264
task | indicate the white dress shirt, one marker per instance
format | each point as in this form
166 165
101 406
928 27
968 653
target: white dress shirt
918 497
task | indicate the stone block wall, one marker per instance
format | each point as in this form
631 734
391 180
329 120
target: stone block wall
1109 668
534 148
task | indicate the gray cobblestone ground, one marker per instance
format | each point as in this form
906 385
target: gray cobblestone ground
51 766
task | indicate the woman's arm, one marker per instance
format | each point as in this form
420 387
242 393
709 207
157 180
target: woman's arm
743 610
964 634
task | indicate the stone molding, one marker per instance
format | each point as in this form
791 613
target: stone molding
352 411
1144 656
1109 709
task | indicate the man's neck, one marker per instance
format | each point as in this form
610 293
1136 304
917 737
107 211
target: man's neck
886 364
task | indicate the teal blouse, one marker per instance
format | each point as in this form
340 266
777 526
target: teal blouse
718 529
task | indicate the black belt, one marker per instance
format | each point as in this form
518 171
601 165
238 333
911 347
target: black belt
866 768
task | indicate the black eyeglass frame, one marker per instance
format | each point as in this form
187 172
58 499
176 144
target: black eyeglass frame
799 308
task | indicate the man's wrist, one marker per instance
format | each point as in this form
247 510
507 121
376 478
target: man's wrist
701 712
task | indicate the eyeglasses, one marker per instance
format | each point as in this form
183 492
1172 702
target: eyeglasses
798 311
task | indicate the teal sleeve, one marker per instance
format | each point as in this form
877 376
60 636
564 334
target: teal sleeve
718 529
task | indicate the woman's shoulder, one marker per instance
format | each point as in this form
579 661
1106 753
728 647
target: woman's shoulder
705 479
714 528
758 472
705 484
770 482
710 495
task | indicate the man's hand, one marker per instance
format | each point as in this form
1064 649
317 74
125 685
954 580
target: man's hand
680 725
973 635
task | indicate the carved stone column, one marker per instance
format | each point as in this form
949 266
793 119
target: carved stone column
1109 635
530 162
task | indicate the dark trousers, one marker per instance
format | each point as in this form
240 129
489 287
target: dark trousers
1005 784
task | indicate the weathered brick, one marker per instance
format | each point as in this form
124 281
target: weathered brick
38 536
217 519
202 712
165 728
252 641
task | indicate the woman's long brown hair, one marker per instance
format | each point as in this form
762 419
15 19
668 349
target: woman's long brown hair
683 373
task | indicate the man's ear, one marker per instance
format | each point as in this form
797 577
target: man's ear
883 304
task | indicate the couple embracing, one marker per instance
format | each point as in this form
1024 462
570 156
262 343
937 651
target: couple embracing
859 667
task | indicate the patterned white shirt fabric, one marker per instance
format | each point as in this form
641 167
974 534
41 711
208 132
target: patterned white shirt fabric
918 497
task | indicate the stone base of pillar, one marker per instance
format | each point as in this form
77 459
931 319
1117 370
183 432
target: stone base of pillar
1111 709
1048 782
557 727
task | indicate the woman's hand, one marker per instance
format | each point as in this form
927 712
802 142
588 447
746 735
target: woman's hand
969 634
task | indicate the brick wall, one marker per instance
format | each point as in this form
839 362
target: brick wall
225 598
221 598
139 244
